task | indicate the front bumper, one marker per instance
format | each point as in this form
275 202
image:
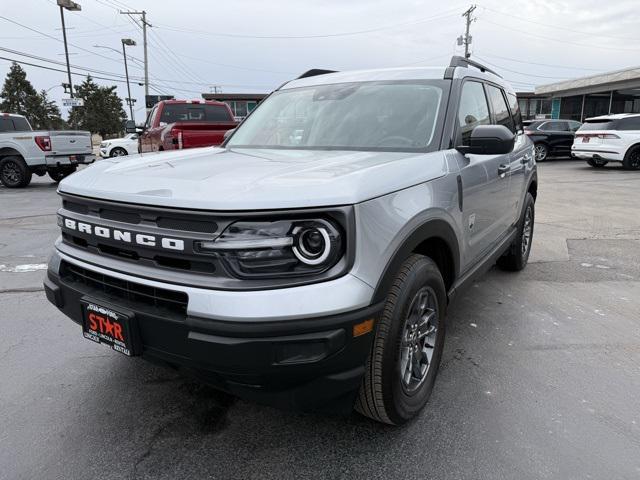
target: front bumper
300 364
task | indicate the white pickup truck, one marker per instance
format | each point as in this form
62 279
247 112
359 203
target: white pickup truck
24 151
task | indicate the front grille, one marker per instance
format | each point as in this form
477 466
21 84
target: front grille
136 294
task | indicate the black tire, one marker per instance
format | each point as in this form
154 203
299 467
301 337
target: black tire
632 159
386 395
541 152
596 163
14 172
118 152
57 174
516 257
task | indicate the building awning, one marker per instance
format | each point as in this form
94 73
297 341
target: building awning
603 82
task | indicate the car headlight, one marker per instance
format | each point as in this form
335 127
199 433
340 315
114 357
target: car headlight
279 248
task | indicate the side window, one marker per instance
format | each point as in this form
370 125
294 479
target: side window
554 126
500 109
473 110
631 123
6 125
574 126
515 111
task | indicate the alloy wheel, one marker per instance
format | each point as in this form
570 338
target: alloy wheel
541 152
635 160
11 173
418 339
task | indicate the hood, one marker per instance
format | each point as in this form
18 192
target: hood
253 179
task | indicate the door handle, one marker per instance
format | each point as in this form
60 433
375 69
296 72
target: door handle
526 158
503 169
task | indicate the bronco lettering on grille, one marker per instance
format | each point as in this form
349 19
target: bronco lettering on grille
124 236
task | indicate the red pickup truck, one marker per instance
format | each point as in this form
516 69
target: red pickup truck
178 124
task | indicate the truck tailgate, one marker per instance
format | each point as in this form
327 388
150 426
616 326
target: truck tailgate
68 142
195 134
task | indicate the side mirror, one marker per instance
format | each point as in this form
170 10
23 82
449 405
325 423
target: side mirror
130 126
228 133
489 140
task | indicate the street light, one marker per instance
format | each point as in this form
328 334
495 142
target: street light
72 7
130 43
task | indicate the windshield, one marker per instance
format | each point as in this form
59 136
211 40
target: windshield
396 116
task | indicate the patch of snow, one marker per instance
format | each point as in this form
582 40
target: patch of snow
28 267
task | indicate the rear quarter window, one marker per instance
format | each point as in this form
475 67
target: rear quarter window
598 125
21 125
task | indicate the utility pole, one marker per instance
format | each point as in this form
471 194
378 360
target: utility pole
72 7
145 24
130 100
467 38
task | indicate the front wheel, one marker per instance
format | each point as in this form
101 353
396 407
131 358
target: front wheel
118 152
516 258
541 152
408 344
14 172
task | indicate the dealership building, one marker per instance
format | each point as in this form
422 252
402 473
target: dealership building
241 104
580 98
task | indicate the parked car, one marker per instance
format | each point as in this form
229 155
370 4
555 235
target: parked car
178 124
609 138
552 137
118 147
309 262
24 151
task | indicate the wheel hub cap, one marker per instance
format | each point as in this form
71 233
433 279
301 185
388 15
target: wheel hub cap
418 339
10 173
527 231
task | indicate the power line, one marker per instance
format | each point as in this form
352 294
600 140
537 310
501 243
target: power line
519 73
300 37
562 28
561 40
544 64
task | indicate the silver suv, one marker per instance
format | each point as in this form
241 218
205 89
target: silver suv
309 261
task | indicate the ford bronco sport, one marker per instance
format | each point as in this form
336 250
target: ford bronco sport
308 262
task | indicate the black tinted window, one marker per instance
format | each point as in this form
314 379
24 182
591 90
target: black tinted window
6 125
598 125
473 110
500 109
194 112
555 126
515 110
21 125
631 123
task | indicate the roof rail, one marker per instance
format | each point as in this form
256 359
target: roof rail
315 71
458 61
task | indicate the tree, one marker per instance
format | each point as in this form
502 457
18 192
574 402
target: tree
102 111
44 114
18 95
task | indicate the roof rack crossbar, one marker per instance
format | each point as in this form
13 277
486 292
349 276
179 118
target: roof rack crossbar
458 61
315 71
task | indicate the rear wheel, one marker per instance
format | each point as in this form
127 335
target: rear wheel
597 163
632 159
541 151
408 344
14 172
516 258
118 152
57 174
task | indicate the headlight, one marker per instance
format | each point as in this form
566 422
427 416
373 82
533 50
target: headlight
280 248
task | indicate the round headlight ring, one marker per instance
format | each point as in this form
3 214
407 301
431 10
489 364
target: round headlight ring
302 253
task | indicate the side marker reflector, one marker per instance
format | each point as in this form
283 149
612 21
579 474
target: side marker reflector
363 328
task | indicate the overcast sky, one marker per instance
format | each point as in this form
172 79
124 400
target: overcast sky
254 45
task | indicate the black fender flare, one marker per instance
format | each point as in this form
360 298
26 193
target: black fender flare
434 228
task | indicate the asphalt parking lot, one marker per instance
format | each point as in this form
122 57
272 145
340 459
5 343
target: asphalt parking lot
540 376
